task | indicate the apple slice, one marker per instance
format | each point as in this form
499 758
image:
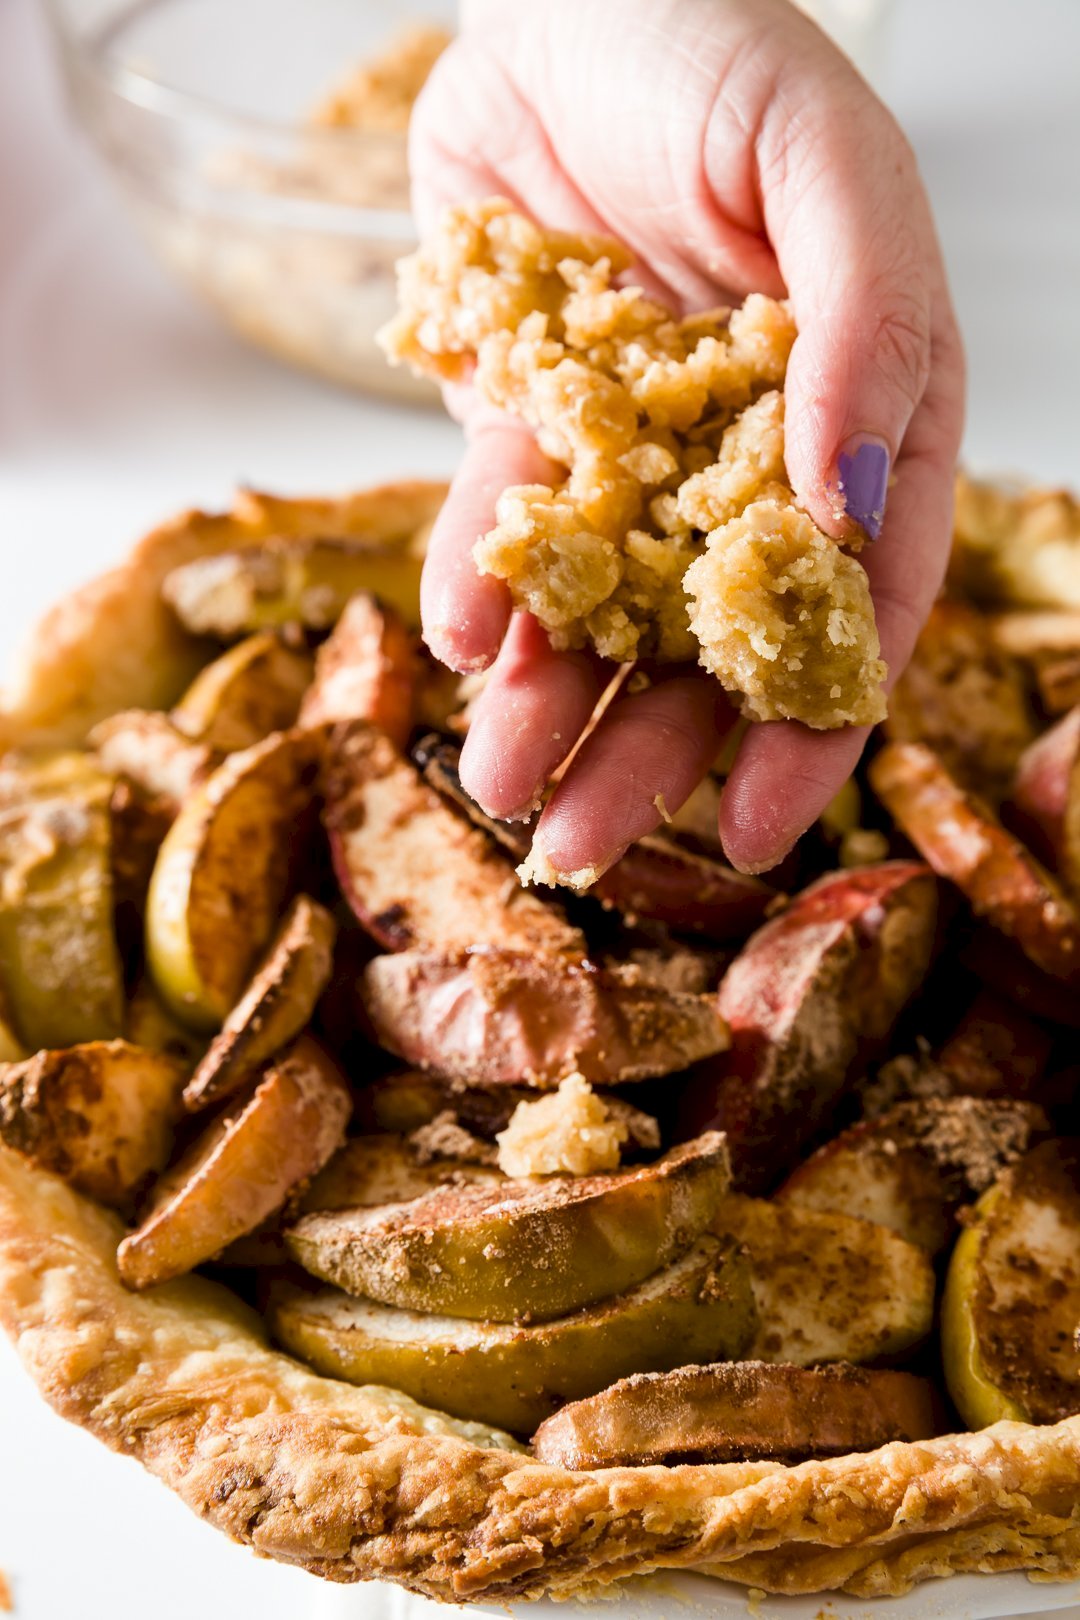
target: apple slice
367 669
1035 807
138 825
691 893
378 1170
515 1375
59 963
829 1287
244 1166
964 841
496 1017
1002 966
735 1412
414 872
438 758
145 747
995 1050
289 581
520 1250
100 1115
1038 633
965 698
1012 1297
915 1167
276 1006
222 873
830 972
251 690
149 1023
366 1171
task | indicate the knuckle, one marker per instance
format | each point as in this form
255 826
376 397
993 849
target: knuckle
901 346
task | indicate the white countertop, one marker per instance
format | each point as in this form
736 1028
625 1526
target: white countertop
120 401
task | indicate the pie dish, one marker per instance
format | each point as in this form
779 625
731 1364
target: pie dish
360 1482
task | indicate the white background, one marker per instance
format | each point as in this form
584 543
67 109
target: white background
120 401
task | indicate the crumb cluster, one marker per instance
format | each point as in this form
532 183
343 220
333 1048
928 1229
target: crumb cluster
571 1132
674 535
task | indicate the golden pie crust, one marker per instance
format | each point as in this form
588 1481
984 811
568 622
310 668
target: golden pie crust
359 1484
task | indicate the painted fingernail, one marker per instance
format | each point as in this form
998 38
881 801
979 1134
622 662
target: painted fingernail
864 482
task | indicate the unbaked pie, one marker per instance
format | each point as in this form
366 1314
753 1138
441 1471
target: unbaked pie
413 1226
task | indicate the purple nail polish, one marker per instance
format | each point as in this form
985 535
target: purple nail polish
864 484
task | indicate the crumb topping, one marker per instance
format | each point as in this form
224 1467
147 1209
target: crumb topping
674 534
572 1131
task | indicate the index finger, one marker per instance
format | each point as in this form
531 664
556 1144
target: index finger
465 613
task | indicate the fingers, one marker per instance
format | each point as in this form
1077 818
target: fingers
647 754
465 613
784 775
847 214
534 707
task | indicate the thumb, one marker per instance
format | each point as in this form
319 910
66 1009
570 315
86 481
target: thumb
851 227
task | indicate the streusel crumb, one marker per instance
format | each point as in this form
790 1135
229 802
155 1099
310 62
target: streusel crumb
570 1132
675 534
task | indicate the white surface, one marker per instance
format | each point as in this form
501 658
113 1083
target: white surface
119 402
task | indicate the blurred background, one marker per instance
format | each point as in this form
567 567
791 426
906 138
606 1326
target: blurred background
200 206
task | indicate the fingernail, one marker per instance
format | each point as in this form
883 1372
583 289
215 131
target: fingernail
864 482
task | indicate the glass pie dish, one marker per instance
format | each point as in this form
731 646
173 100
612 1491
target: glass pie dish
262 169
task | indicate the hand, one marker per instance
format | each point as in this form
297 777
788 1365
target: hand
734 149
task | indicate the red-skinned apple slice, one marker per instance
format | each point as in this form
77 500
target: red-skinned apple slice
1035 807
813 984
415 873
691 893
963 841
995 1050
1001 965
494 1017
367 669
248 1161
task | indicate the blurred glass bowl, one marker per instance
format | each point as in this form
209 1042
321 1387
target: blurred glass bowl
203 111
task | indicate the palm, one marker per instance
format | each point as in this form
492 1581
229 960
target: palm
691 160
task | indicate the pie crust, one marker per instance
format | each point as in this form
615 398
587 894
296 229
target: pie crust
357 1484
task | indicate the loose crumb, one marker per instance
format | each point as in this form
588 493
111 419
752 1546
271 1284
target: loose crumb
570 1132
674 534
538 868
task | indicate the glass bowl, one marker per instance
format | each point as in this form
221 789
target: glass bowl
202 110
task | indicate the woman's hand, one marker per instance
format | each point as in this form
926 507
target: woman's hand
734 149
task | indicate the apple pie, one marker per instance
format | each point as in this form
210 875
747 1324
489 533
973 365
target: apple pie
413 1226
